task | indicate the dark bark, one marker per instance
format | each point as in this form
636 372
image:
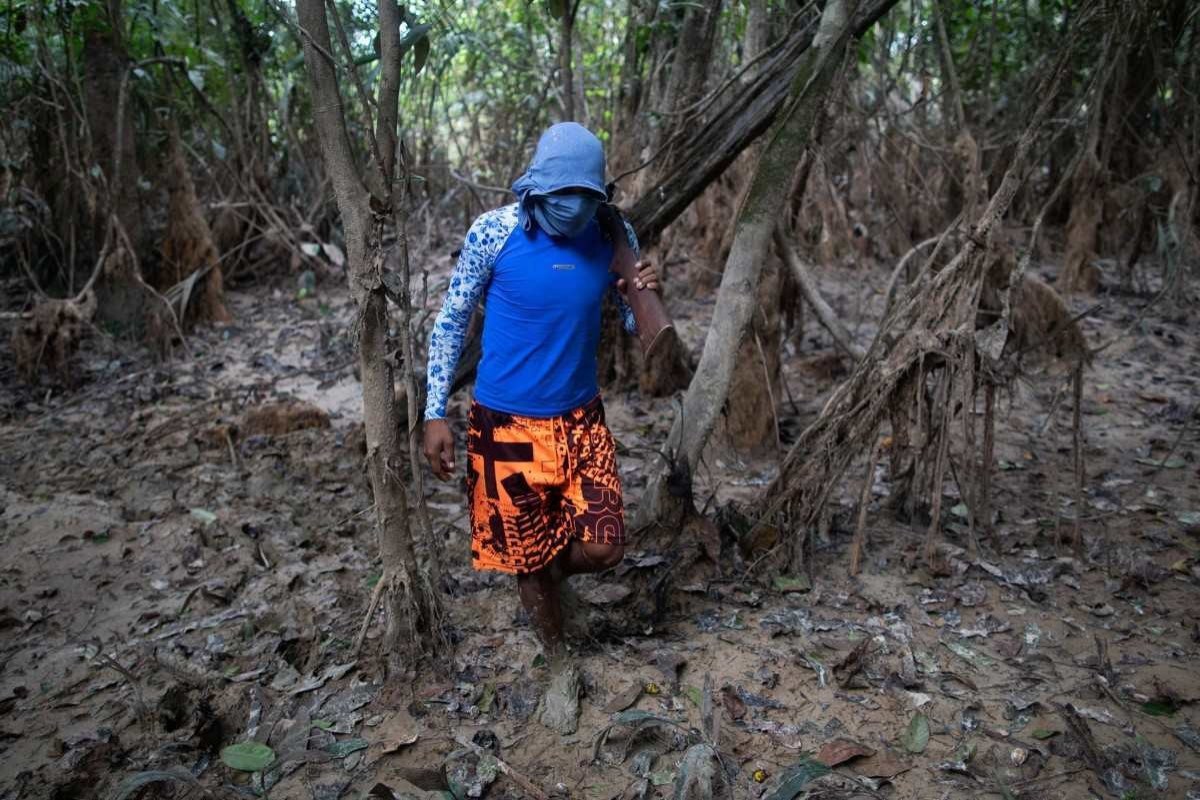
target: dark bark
691 57
121 299
693 53
758 31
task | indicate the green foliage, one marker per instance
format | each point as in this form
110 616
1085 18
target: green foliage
346 747
480 80
132 785
1161 707
916 738
488 63
248 756
797 777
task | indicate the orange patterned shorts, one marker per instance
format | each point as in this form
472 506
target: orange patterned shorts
535 484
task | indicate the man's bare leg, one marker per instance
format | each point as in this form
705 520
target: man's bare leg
540 597
540 593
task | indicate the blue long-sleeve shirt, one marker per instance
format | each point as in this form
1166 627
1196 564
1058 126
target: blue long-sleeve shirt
543 296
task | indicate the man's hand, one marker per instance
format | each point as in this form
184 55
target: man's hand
647 278
439 447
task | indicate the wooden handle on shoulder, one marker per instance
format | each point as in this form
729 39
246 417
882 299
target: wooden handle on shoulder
647 305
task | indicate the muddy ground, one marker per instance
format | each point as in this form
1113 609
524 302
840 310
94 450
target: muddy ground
176 577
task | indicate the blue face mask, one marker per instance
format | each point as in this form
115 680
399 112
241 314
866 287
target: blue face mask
565 215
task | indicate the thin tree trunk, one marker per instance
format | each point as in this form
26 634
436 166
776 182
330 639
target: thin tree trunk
988 456
941 412
736 297
121 298
411 609
566 25
626 132
432 548
859 545
749 418
382 426
693 54
1078 273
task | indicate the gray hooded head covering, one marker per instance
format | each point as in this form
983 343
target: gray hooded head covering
567 156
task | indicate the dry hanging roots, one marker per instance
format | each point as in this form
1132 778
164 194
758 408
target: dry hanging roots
51 337
1042 329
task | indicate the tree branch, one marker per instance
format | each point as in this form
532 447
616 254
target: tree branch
712 144
811 292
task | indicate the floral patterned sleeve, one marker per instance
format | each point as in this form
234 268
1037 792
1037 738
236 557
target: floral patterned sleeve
467 284
627 318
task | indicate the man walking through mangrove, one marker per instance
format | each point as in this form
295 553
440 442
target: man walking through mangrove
542 482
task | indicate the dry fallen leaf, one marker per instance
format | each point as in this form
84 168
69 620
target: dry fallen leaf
916 737
839 751
852 664
883 764
399 743
606 594
624 699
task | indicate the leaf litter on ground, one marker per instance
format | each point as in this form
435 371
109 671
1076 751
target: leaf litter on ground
1147 637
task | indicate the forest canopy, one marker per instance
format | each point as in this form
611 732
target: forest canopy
480 81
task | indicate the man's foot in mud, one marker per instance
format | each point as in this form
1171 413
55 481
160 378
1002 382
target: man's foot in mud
559 709
574 612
